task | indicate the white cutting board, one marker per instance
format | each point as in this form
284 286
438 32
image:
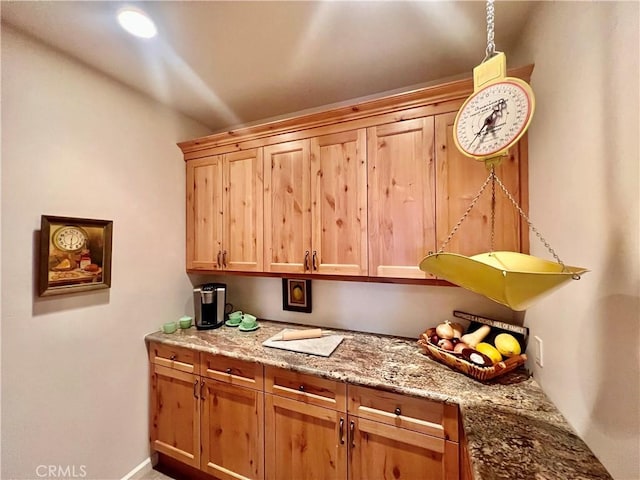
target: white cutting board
322 346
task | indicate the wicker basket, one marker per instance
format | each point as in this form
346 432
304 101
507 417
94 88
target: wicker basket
479 373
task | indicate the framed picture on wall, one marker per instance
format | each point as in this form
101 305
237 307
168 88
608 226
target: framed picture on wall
296 295
75 255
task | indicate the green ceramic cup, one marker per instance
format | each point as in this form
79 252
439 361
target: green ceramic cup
185 322
248 321
169 327
235 318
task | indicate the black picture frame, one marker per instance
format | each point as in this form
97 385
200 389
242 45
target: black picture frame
292 298
69 270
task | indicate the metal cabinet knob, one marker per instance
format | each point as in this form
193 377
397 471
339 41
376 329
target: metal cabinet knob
228 370
398 411
301 388
173 357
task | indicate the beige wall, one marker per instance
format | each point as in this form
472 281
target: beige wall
584 179
74 374
404 310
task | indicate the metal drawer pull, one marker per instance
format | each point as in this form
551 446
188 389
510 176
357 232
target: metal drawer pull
224 258
195 389
219 262
301 388
228 370
398 412
201 389
306 260
352 434
314 259
341 431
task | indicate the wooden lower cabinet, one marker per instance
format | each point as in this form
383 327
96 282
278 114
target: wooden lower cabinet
383 451
230 422
213 425
303 441
175 414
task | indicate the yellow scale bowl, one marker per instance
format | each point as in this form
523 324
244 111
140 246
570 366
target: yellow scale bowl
510 278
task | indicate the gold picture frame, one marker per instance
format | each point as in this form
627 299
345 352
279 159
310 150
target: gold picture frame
75 255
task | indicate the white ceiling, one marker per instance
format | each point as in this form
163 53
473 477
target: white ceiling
226 63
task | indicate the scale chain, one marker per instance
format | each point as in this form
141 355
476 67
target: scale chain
534 229
493 178
464 216
493 207
491 46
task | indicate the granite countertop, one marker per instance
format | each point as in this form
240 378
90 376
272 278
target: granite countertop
513 431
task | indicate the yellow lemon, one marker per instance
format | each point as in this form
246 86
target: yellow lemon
507 345
297 293
490 351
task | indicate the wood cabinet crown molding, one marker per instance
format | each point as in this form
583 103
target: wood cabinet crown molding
453 90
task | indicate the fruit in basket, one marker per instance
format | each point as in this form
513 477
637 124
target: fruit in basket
474 338
445 344
434 339
458 347
445 330
507 345
490 351
458 330
476 357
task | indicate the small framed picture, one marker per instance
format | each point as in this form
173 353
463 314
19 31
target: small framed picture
296 295
75 255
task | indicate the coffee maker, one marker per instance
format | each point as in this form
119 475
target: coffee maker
209 302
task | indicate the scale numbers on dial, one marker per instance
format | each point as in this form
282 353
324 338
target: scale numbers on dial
494 118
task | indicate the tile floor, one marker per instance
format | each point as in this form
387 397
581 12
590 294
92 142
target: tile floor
155 475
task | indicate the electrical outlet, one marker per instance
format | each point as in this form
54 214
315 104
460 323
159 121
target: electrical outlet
539 352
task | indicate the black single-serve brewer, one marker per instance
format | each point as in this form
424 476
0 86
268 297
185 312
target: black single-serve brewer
209 303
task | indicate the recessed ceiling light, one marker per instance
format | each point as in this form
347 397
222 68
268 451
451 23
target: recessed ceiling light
137 23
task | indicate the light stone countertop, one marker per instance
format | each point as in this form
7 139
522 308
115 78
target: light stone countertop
513 431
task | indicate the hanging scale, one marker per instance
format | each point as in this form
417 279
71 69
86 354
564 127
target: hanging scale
488 124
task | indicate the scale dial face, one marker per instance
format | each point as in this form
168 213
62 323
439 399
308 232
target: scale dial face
494 118
70 238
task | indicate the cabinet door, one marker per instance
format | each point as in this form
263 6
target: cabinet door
303 441
459 180
175 414
339 203
401 197
204 213
232 431
287 209
384 451
242 211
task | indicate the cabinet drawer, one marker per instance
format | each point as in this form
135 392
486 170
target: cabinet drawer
417 414
232 371
177 358
306 388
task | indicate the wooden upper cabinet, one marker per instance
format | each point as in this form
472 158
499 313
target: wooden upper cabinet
339 203
204 213
401 197
316 204
242 211
224 212
287 207
459 179
364 190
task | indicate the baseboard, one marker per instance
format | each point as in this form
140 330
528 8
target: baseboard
138 471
